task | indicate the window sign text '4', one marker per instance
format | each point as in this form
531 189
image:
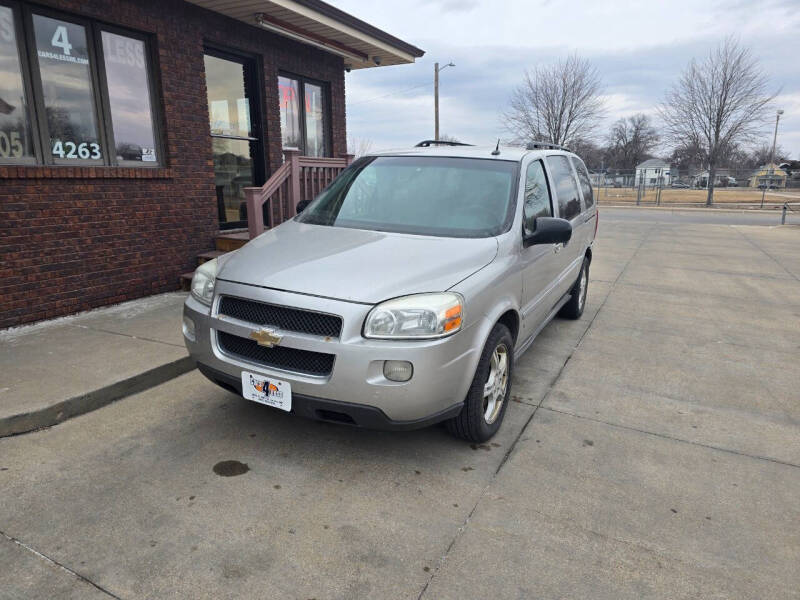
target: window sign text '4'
60 41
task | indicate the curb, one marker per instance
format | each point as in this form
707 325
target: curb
79 405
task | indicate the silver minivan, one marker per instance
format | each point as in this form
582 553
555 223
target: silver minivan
402 295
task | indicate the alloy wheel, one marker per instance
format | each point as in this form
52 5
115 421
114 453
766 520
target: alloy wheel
494 391
584 283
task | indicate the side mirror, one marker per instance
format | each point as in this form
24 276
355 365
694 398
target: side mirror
548 230
301 206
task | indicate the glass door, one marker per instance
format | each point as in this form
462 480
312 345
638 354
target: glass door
235 133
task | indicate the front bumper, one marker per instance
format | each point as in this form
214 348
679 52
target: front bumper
443 368
348 413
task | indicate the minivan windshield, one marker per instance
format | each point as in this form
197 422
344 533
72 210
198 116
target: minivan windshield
425 195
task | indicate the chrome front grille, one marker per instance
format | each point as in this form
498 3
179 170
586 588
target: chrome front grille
279 357
281 317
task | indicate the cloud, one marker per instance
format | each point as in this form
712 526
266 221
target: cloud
452 5
639 50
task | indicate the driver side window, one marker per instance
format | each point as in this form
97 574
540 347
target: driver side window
537 196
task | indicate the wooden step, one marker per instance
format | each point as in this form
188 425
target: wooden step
186 281
226 242
210 255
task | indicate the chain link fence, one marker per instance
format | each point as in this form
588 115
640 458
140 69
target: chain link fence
661 185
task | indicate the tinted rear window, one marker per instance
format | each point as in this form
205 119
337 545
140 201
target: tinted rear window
569 203
583 178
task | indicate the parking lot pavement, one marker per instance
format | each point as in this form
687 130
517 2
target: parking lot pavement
651 451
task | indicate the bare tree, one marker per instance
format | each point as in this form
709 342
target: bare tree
591 154
557 104
717 104
631 141
687 159
448 138
359 146
761 155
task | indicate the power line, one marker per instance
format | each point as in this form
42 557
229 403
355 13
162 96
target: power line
390 94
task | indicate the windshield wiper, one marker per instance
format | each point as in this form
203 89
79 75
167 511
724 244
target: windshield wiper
322 217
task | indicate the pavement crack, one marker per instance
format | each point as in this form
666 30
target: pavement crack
772 258
570 523
127 335
57 564
524 427
655 288
701 340
732 273
672 438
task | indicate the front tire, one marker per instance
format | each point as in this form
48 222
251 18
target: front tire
487 398
577 302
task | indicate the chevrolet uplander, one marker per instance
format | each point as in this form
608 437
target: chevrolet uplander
402 295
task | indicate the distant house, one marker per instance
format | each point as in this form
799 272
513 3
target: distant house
768 175
612 179
652 172
792 169
722 178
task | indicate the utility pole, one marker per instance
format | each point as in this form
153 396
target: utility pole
436 102
436 70
772 158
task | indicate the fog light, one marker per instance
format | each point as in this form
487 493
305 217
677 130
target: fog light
188 329
398 370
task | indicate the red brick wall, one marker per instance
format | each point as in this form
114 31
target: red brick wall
77 238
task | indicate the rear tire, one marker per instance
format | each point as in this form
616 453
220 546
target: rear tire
577 302
487 398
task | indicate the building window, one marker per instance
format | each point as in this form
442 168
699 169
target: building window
315 122
91 87
62 51
304 125
129 98
16 143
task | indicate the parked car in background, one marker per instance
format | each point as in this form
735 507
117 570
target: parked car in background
404 293
679 185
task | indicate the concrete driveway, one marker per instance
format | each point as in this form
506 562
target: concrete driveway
652 450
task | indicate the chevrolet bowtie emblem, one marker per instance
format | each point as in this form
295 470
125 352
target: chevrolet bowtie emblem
266 337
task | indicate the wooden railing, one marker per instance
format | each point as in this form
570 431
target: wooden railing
298 178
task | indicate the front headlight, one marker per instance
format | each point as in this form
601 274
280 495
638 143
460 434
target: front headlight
416 317
205 276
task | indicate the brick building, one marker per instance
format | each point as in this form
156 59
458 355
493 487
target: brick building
129 130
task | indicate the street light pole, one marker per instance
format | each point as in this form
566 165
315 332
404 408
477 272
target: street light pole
436 70
772 157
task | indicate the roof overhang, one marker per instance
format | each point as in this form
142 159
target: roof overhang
321 25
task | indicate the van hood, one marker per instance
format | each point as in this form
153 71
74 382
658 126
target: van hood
354 264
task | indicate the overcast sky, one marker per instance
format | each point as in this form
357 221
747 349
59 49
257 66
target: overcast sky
639 48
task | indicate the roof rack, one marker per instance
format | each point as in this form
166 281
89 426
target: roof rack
429 143
545 145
